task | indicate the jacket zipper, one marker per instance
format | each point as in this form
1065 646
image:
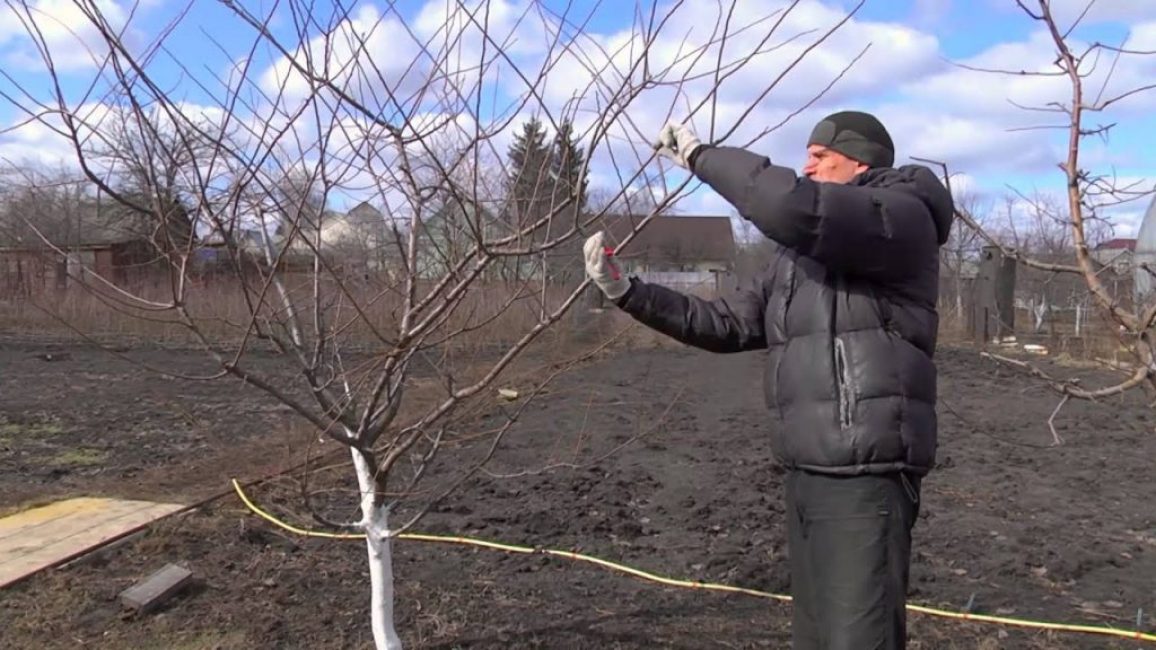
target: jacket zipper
843 380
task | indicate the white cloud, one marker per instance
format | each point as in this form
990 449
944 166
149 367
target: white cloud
362 56
974 119
964 185
32 141
940 128
967 144
67 31
933 109
1142 36
683 58
514 27
1003 79
396 65
45 140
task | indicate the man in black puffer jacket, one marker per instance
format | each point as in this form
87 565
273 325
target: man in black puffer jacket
846 311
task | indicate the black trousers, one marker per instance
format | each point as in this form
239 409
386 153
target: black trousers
849 542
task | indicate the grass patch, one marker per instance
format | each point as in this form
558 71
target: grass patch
81 456
11 431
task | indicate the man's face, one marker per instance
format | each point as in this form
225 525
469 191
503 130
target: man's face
827 166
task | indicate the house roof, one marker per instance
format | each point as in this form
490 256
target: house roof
247 238
1119 243
89 227
675 238
364 212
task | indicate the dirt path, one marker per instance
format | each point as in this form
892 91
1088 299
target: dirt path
1019 528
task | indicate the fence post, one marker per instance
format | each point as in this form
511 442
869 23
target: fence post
993 300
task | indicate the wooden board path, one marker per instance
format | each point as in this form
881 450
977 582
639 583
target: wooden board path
42 537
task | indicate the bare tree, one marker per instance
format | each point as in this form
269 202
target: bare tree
415 132
42 204
1037 227
960 255
1087 195
146 163
51 219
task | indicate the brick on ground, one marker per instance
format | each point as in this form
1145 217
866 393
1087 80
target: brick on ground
152 592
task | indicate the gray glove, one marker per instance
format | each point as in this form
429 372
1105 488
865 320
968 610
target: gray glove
677 142
601 270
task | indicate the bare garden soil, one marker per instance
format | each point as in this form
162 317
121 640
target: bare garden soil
1008 523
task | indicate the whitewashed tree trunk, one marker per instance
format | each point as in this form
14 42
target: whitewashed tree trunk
1040 311
375 520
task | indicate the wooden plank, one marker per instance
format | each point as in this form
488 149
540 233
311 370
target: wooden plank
41 530
109 516
43 537
155 590
22 521
51 543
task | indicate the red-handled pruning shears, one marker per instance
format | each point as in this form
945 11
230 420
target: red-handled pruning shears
609 250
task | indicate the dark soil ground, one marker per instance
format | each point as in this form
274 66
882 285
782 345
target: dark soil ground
75 419
1009 523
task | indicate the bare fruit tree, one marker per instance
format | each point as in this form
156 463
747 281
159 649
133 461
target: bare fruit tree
960 252
407 118
1088 72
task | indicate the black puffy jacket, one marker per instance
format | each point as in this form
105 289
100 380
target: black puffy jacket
846 310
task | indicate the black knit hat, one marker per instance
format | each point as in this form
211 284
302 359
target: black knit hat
857 135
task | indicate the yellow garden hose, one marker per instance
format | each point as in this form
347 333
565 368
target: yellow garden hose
690 584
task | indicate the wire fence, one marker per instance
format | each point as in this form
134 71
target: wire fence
1008 303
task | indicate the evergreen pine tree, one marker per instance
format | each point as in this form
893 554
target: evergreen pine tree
529 185
567 164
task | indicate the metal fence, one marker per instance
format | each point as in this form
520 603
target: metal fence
1009 302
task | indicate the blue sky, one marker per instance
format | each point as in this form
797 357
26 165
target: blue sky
933 108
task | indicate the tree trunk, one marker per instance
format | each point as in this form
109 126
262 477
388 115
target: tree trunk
375 519
959 314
